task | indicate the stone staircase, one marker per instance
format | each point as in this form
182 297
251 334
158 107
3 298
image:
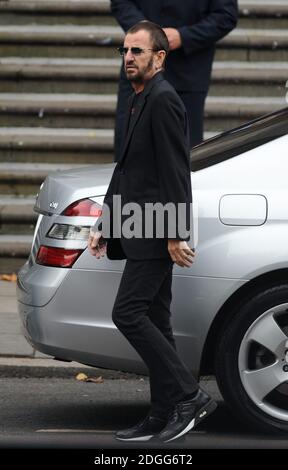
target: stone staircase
58 81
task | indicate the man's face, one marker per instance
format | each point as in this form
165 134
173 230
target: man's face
139 68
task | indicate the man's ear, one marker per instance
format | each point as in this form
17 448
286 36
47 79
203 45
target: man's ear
162 56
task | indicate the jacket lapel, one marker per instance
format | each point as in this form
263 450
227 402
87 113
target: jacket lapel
140 106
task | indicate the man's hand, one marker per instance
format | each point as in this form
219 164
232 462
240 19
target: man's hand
180 253
96 244
174 38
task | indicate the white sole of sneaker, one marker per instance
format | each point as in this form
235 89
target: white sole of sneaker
136 439
203 413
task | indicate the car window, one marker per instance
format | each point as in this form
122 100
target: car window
239 140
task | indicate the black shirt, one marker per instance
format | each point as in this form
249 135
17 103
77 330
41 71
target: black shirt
133 110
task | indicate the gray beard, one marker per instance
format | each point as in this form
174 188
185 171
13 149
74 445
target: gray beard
139 78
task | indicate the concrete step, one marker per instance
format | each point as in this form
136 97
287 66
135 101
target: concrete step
98 76
24 75
48 145
249 79
22 144
15 245
57 139
17 210
77 12
18 154
82 19
260 72
234 106
42 103
65 34
57 110
17 215
262 22
19 179
263 8
264 14
98 111
42 145
63 68
89 41
14 251
56 6
54 11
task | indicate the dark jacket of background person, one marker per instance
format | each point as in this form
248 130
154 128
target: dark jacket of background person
201 23
154 165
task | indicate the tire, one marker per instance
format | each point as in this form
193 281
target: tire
251 360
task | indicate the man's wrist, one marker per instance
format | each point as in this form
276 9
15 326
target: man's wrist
94 232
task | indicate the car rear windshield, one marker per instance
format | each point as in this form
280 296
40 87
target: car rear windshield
240 140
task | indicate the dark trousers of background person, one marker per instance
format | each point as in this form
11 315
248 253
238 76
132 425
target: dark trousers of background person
142 313
194 102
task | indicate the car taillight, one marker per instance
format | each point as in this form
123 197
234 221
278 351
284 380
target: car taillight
83 208
57 257
68 232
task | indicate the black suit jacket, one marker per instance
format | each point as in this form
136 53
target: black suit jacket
154 165
200 23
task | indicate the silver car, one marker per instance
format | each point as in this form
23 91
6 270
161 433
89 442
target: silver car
230 310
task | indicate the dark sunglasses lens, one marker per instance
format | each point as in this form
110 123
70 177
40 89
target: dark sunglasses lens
122 50
136 50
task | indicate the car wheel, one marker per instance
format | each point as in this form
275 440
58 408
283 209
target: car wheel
252 360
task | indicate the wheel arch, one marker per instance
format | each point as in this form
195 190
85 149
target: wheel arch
229 309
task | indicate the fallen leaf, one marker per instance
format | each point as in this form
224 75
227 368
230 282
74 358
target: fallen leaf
96 380
82 377
8 277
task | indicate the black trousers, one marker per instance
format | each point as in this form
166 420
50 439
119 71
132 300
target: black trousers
194 103
142 313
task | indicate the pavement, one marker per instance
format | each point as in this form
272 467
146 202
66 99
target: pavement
19 359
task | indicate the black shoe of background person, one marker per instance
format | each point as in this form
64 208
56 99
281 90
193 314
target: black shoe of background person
186 415
143 431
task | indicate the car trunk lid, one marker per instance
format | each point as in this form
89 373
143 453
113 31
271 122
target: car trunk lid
62 188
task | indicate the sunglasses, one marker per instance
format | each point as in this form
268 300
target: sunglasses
134 50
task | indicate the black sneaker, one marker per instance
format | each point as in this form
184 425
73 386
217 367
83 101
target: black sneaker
142 431
186 415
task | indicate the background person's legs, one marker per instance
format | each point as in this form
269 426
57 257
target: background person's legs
141 282
194 103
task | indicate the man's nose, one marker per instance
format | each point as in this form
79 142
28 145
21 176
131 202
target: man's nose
129 56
